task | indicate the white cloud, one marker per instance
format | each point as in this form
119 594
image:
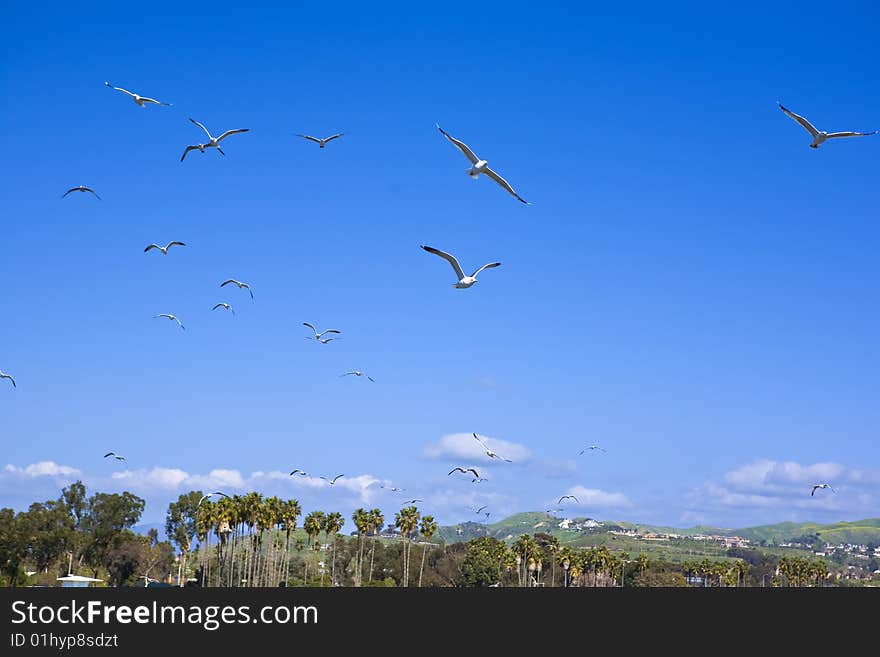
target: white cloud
464 446
42 469
595 498
774 476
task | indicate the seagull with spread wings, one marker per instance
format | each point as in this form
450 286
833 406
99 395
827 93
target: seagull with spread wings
592 448
173 318
358 373
318 336
479 166
241 286
489 452
81 188
302 473
480 509
114 455
464 281
204 497
568 497
321 142
332 481
812 492
140 100
164 249
4 375
477 476
213 142
819 136
225 306
412 501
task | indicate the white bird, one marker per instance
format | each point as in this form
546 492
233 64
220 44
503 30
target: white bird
164 249
321 142
298 471
465 471
464 281
239 284
318 335
489 452
480 166
332 481
358 373
568 497
819 136
393 489
81 188
821 486
4 375
114 455
224 305
172 318
214 142
592 448
140 100
216 492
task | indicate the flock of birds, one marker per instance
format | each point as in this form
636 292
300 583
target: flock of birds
463 281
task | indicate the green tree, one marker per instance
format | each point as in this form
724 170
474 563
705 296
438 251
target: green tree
406 521
181 525
427 529
333 522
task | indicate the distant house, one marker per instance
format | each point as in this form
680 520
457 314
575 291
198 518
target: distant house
77 581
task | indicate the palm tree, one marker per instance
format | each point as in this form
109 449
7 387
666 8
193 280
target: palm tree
565 557
427 530
643 562
313 524
624 558
406 521
361 518
290 511
333 522
377 520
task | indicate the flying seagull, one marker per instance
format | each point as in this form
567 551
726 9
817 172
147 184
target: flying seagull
216 492
321 142
464 281
171 317
819 136
489 452
140 100
214 142
318 335
240 285
592 448
81 188
465 471
4 375
164 249
812 492
412 501
480 166
393 489
298 471
568 497
224 305
358 373
480 509
114 455
332 481
553 510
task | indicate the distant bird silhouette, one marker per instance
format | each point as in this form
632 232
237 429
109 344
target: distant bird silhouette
302 473
489 452
321 142
224 305
568 497
204 497
412 501
332 481
358 373
465 471
240 285
81 188
114 455
213 142
140 100
4 375
164 249
172 318
464 281
592 448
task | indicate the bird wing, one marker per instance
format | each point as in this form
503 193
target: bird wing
849 134
89 189
327 331
310 138
332 137
187 150
449 258
813 492
219 305
125 91
335 478
72 189
231 132
462 470
482 443
371 379
166 315
170 244
481 508
806 124
489 266
7 376
347 373
203 128
460 145
311 327
476 474
293 472
152 246
231 280
154 101
109 454
501 181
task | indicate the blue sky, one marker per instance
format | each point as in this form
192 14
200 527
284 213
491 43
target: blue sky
692 288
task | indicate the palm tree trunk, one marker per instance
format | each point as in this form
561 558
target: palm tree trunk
333 561
372 554
422 567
